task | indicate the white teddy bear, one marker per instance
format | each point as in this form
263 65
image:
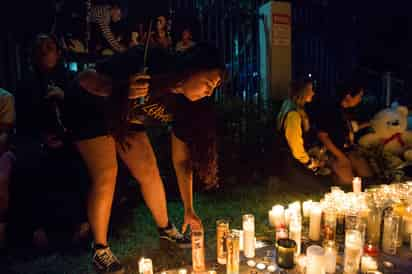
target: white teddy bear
390 132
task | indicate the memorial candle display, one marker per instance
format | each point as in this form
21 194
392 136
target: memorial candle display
145 266
315 260
222 228
315 221
248 222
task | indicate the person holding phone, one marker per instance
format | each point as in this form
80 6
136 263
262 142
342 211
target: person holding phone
107 119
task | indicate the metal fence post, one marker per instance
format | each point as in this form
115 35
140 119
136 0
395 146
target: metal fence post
388 88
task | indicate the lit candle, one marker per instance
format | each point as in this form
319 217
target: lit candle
306 208
271 268
288 212
261 266
278 212
249 235
314 223
301 263
145 266
295 232
368 264
182 271
271 215
295 206
251 263
357 185
315 262
330 257
353 251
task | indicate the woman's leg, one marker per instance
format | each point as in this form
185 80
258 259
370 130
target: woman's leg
359 164
342 170
141 161
99 155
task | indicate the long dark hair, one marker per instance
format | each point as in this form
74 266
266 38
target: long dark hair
196 119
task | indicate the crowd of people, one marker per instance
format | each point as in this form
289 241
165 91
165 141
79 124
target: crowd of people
109 36
63 134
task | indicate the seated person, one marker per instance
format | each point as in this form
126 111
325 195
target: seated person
186 41
335 131
55 199
7 158
293 122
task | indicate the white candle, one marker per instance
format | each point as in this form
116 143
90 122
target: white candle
249 235
182 271
306 208
145 266
357 185
301 263
295 232
271 216
278 212
295 207
271 268
314 222
353 251
368 264
261 266
330 259
315 262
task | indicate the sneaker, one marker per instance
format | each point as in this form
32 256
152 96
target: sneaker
105 262
171 234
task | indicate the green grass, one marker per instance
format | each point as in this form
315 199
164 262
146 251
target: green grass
133 233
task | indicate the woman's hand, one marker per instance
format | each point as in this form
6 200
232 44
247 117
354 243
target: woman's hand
192 220
138 85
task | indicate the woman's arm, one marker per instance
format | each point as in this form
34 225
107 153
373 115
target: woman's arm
101 85
184 173
327 142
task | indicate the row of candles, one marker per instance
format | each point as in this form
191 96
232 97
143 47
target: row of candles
349 220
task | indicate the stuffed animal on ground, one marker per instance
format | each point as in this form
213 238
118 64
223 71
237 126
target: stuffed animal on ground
390 133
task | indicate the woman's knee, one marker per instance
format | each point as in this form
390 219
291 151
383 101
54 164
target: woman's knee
105 180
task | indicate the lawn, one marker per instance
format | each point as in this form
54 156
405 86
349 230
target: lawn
133 232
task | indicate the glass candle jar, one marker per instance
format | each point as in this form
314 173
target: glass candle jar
222 229
285 253
233 256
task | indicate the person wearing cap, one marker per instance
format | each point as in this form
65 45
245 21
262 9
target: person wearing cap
107 116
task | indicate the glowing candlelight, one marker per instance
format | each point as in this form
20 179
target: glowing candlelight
145 266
